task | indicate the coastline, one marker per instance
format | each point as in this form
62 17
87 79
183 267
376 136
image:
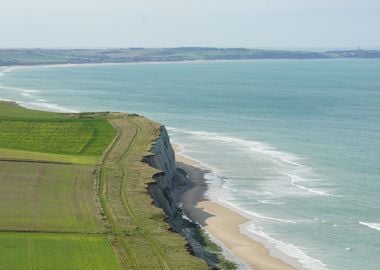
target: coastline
260 211
209 214
223 223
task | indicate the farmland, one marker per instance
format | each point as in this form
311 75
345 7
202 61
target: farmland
48 197
73 194
56 251
72 136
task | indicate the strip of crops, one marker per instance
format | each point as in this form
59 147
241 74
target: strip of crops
85 137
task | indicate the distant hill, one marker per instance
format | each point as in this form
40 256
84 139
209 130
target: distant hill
9 57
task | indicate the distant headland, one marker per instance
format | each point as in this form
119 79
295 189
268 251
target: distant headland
15 57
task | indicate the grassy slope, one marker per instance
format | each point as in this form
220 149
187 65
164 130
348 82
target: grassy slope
38 196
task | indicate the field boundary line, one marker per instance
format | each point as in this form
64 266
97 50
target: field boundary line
94 135
53 232
35 161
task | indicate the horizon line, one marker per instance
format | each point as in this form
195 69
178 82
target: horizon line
310 49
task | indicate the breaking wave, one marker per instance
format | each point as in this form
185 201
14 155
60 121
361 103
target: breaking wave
375 226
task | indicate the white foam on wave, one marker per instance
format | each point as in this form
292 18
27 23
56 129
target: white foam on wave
183 151
254 146
18 89
295 180
285 164
5 70
46 106
27 95
37 103
286 252
270 202
375 226
248 214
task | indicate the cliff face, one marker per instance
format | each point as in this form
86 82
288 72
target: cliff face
169 184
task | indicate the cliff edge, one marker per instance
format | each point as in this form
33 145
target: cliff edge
166 190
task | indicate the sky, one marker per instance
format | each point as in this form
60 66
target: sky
286 24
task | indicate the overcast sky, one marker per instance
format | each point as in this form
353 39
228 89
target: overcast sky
172 23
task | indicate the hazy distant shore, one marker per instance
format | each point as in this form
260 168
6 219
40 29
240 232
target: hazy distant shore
17 57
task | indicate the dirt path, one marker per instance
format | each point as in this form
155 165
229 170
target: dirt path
114 175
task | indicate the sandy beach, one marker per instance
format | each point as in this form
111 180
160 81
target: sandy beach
222 222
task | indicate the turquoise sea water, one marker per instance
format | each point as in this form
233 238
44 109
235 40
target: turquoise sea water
292 144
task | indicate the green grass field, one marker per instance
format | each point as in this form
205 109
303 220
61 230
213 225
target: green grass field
48 184
73 137
35 251
48 197
54 133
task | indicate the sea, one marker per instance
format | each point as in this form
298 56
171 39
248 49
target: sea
292 144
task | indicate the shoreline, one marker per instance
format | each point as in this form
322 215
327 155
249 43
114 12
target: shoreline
58 65
224 224
214 217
